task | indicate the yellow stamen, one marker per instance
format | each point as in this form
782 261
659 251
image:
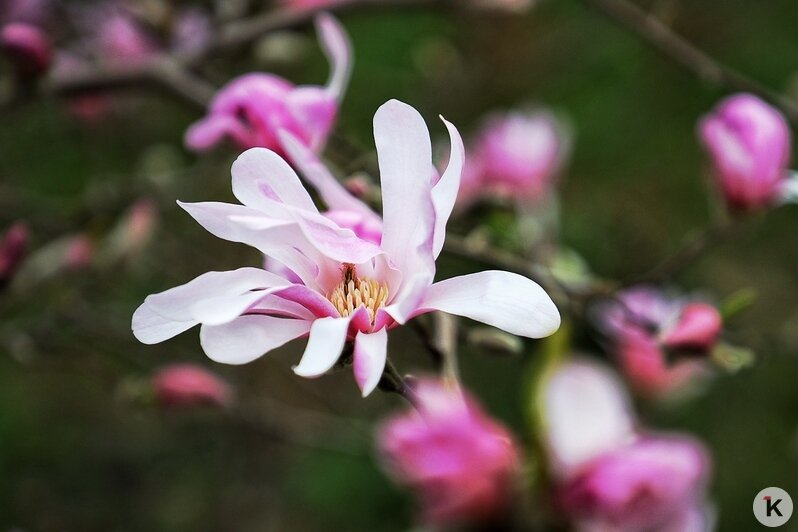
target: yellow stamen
354 292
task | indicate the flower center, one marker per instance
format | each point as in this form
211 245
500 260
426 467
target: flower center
354 291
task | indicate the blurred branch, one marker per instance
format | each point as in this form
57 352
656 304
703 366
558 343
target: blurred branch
689 253
172 72
662 38
393 382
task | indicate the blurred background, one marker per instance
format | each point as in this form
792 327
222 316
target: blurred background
82 446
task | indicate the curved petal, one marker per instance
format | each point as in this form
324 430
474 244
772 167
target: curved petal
338 49
260 174
331 191
505 300
249 337
310 299
176 303
586 414
334 242
282 240
208 132
313 111
223 309
407 302
371 351
149 327
326 341
404 154
444 193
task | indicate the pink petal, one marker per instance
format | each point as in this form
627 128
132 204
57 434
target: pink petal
337 48
310 299
405 160
313 110
444 193
371 351
260 174
586 414
404 306
505 300
326 341
224 309
249 337
208 132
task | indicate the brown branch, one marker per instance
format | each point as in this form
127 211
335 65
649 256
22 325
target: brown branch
393 382
662 38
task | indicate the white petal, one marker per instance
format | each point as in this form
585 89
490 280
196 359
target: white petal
337 48
444 193
505 300
149 327
371 352
223 309
331 191
586 413
409 299
261 177
176 303
405 158
249 337
326 341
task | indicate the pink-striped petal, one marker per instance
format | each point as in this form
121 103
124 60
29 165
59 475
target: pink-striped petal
260 174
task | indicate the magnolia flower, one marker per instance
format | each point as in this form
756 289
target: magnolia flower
185 385
516 156
251 109
749 145
350 289
645 326
460 462
609 476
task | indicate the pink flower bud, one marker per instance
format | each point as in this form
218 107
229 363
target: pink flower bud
187 385
13 249
516 156
749 145
79 253
644 486
697 330
27 47
358 186
460 462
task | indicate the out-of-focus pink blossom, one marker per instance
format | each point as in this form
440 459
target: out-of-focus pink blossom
13 249
749 145
120 40
34 12
645 326
697 329
27 46
187 385
79 252
608 476
192 31
515 156
460 462
352 289
250 110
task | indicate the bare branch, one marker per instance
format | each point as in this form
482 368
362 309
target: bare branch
681 51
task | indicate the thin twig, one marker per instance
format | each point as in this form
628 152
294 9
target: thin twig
393 382
662 38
